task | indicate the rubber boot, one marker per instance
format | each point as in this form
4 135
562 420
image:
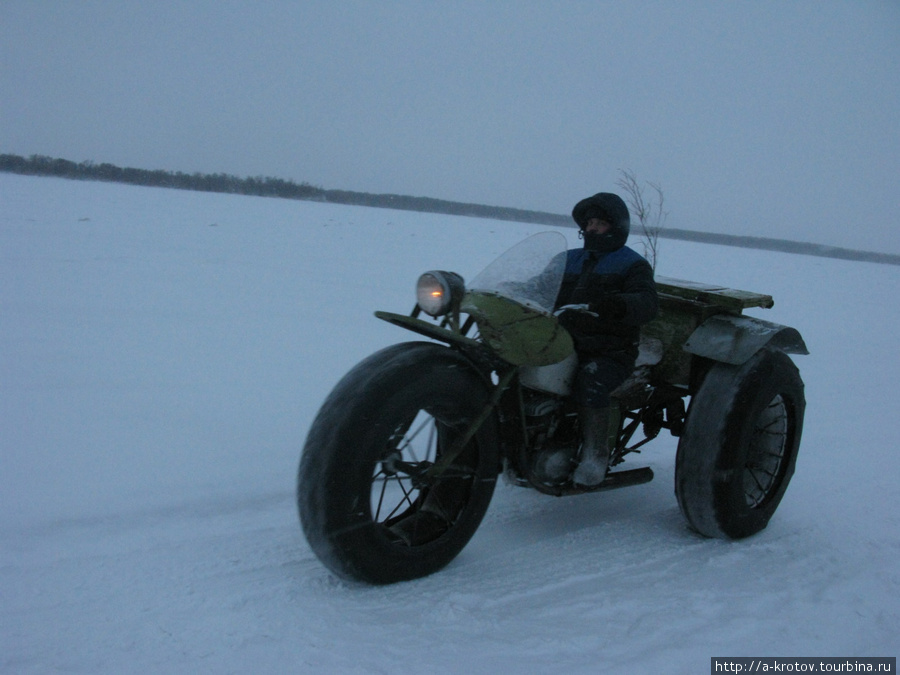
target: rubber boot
553 466
594 447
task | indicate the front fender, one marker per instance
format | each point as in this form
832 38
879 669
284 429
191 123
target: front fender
731 338
428 329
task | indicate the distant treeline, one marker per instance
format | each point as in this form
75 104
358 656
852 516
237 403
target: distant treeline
38 165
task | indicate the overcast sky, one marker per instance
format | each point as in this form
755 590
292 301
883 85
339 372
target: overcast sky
776 118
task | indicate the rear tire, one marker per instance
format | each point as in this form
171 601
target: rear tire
367 507
739 447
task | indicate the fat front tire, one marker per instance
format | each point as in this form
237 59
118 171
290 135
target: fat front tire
369 507
739 447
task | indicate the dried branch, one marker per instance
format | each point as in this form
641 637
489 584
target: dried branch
648 212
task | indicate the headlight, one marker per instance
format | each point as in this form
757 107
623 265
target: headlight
438 292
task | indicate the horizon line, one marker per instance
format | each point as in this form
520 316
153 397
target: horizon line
40 165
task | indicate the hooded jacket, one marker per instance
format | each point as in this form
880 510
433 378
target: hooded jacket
611 279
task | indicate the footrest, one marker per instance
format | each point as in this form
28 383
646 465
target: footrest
619 479
614 480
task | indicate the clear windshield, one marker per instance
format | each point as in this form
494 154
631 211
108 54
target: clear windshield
530 272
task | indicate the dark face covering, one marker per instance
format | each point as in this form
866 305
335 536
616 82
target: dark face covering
595 241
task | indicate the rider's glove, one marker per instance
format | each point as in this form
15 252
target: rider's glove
576 318
583 308
609 307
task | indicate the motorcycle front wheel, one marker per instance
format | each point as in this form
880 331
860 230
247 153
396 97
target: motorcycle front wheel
371 506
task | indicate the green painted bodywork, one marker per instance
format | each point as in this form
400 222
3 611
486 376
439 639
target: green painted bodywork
520 335
695 320
672 327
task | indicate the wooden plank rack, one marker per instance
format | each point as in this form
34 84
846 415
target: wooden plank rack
708 294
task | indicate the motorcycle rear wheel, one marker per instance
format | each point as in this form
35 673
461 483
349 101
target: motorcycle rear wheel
739 447
368 506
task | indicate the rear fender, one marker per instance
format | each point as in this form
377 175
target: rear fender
732 338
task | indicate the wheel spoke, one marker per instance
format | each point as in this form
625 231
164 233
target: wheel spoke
767 450
400 476
405 501
406 444
414 506
757 481
380 498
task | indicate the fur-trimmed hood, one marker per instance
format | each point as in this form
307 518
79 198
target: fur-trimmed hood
608 207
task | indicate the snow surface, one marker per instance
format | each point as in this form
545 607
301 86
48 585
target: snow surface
162 354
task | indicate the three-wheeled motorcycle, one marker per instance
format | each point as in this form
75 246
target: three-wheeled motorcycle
401 462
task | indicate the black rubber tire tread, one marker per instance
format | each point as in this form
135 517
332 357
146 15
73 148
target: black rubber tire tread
347 439
717 440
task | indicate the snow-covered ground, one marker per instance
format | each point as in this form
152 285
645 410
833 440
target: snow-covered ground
162 354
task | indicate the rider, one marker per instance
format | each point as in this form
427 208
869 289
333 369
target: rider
607 293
